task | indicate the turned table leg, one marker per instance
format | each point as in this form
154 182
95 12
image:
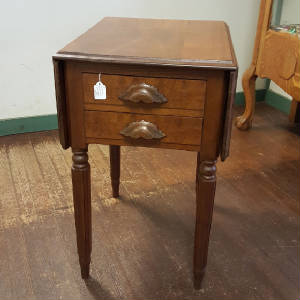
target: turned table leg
205 193
82 208
244 122
114 154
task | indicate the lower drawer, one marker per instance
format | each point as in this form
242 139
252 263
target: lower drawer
140 128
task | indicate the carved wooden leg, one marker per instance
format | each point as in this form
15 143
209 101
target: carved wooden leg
114 154
244 122
205 193
82 208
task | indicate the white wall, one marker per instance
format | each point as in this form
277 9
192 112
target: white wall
31 31
278 90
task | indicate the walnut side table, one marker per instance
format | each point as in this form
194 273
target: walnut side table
169 84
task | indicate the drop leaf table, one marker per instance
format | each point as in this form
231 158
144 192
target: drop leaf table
146 83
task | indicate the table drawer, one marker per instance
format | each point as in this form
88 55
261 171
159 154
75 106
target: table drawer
135 128
162 96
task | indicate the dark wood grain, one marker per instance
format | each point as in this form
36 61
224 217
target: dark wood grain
114 156
169 84
226 136
148 72
142 143
82 208
205 194
214 115
61 105
75 107
177 130
172 42
144 110
169 93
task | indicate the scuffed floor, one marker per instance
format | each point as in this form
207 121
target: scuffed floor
143 242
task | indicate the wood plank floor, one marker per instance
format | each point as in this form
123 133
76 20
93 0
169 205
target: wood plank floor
142 242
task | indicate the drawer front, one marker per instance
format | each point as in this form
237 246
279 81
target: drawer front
139 128
162 96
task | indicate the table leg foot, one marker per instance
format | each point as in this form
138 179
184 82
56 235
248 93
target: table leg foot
205 193
244 122
85 271
114 155
198 277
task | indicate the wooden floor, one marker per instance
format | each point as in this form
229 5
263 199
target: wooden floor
142 242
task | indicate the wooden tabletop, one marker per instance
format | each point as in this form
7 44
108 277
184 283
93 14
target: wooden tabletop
152 41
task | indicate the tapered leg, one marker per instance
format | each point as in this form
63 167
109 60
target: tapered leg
114 154
205 193
244 122
82 208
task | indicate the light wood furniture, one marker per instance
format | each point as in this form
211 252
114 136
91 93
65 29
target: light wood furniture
276 56
170 84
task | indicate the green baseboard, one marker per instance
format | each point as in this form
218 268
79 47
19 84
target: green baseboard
278 101
49 122
240 97
28 124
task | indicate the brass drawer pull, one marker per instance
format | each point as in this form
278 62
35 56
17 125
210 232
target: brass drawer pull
142 129
144 93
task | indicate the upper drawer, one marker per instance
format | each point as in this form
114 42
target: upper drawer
147 95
